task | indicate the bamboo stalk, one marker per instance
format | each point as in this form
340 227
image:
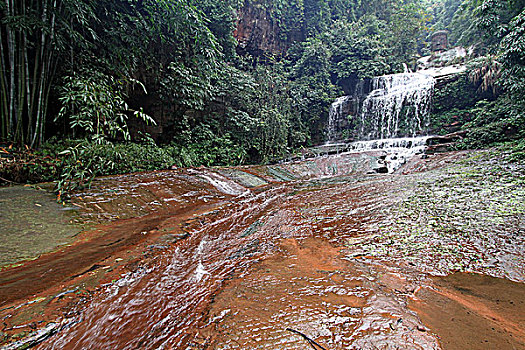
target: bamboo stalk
28 94
34 87
11 54
51 69
19 134
4 117
40 86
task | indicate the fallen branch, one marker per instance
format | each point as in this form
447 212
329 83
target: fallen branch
312 343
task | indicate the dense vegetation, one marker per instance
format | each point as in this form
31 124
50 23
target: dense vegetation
108 86
488 99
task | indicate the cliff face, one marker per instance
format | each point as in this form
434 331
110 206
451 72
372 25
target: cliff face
258 33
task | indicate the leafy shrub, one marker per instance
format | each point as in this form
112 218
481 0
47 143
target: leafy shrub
517 151
493 122
82 160
94 103
87 159
22 165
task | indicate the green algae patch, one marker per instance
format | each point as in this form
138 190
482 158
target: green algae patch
32 223
468 216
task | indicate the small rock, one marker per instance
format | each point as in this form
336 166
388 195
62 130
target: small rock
381 170
491 263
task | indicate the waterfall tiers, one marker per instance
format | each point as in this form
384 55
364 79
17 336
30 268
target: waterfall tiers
391 153
391 117
396 105
337 111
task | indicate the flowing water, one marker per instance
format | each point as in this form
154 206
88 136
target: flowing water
336 114
304 283
388 118
399 104
282 256
398 150
252 257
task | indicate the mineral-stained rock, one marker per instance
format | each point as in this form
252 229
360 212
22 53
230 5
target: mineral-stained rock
258 33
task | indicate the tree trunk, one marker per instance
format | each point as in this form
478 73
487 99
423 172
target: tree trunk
28 93
40 86
20 92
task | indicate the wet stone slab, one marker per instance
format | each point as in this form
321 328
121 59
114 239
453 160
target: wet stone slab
338 255
473 311
307 288
32 223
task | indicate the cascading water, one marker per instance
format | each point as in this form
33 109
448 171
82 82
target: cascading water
335 116
388 118
398 105
340 109
399 150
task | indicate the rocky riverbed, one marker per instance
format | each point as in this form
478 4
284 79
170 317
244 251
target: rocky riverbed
317 254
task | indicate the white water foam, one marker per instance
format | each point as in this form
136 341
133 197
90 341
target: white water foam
399 150
223 184
398 104
334 116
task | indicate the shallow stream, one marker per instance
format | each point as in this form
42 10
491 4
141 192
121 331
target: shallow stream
282 256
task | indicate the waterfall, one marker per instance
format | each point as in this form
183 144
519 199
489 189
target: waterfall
398 105
335 116
395 105
389 117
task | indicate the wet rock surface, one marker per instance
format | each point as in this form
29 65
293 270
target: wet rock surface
253 257
473 311
32 223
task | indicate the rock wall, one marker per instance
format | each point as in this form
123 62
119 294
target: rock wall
259 34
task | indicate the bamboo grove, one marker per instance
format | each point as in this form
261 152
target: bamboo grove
34 35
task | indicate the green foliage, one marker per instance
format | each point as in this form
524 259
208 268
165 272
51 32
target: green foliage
22 165
493 122
317 15
407 25
443 13
503 118
517 151
256 111
204 147
459 94
358 50
493 97
220 17
289 15
80 62
35 38
82 160
512 50
311 91
95 105
477 22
